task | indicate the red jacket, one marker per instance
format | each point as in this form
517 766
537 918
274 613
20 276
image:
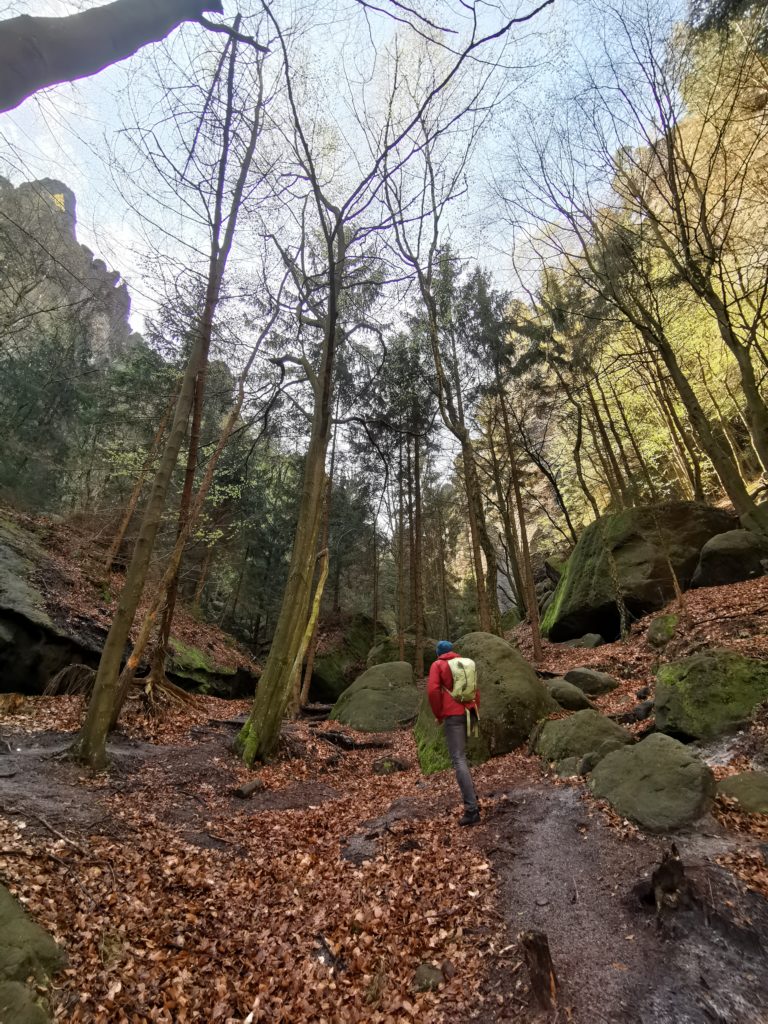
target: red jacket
439 686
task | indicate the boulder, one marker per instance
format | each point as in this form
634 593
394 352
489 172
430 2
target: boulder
630 552
750 789
389 766
388 650
341 656
380 700
593 757
577 735
709 694
26 951
730 558
661 630
427 978
588 641
567 695
659 783
198 671
591 681
512 700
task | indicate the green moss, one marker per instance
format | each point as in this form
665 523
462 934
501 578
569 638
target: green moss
661 630
379 700
388 650
709 694
577 735
192 663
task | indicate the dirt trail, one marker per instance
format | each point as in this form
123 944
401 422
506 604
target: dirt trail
563 871
559 867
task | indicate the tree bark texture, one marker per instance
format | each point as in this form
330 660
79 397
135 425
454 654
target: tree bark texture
36 52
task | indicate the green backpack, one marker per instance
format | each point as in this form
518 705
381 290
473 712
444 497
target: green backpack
464 676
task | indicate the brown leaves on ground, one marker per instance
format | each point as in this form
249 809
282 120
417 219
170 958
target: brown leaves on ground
269 923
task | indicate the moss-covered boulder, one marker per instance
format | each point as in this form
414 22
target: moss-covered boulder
568 696
661 630
577 735
512 700
730 558
388 649
26 951
591 681
659 783
341 656
383 698
198 671
709 694
750 789
628 555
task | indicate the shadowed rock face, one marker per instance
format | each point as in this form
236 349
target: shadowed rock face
628 555
730 558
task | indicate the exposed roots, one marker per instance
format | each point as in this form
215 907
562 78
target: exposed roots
71 681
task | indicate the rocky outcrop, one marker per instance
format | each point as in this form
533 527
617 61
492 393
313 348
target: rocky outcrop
661 630
512 700
568 696
383 698
730 558
709 694
627 556
749 789
591 681
583 733
26 952
659 783
342 656
52 271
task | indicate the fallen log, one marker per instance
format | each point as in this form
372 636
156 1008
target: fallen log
535 949
339 739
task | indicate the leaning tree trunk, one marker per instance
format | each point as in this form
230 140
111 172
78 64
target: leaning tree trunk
37 52
418 587
90 746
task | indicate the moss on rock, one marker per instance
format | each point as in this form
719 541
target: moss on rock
26 951
661 630
512 700
750 789
630 552
659 783
380 700
579 734
709 694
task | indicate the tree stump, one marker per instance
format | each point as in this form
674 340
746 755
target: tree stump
535 948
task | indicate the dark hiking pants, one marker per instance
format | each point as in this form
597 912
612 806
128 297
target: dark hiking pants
456 738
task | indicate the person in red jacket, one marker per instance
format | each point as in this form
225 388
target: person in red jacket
453 717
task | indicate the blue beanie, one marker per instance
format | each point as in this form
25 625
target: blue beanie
443 647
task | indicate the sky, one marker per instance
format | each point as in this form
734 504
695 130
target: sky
69 132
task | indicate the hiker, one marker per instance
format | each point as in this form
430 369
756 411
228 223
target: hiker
454 699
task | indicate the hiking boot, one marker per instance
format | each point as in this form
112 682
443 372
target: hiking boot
470 818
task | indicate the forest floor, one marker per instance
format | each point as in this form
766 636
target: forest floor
317 899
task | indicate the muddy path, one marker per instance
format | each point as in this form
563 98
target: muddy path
563 871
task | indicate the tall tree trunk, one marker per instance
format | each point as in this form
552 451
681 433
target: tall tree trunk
36 52
202 579
621 486
442 562
90 745
530 586
324 536
138 487
400 558
510 537
158 655
628 471
635 446
259 736
417 566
